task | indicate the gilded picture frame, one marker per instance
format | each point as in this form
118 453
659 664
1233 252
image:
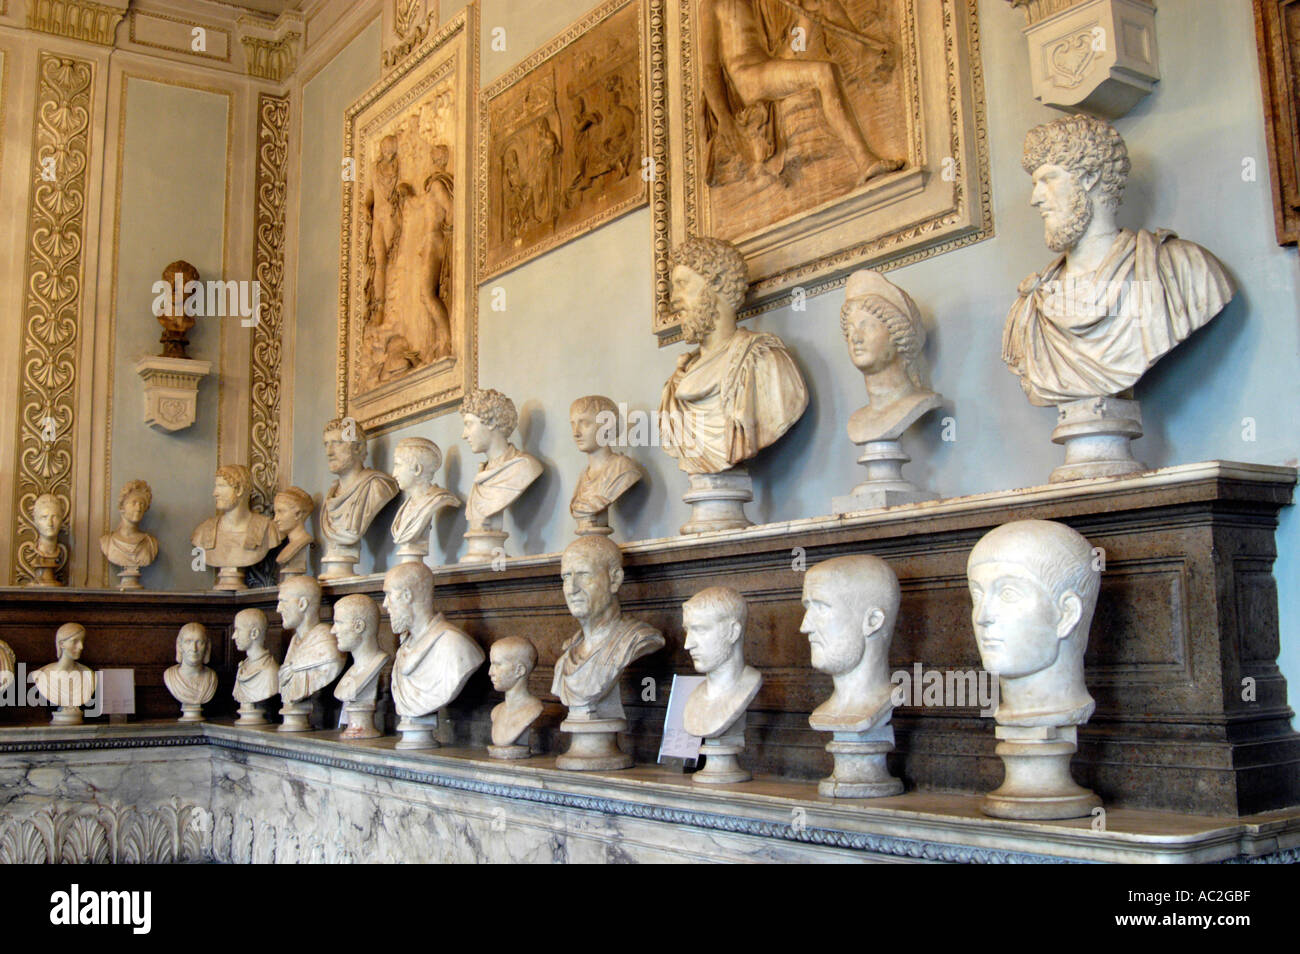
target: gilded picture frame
408 299
564 140
786 119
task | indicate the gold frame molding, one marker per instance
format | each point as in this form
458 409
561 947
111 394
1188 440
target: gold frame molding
649 39
942 205
454 51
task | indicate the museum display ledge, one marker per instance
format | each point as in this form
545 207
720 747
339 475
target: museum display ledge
766 819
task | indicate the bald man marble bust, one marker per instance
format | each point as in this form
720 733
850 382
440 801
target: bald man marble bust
313 660
356 630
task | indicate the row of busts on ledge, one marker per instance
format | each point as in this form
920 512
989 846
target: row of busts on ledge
1033 585
1079 336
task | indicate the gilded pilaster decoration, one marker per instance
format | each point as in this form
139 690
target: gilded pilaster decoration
55 224
268 271
271 59
78 19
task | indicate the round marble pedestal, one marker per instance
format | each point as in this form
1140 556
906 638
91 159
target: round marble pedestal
361 721
721 762
1097 433
416 732
508 751
296 716
718 501
1038 784
885 485
596 524
413 552
338 562
250 713
482 545
593 746
191 712
230 579
66 715
860 767
128 578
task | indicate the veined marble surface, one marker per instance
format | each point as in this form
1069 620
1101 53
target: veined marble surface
164 791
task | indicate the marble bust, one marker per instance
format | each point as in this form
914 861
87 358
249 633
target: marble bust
353 500
236 537
66 683
592 661
7 660
736 394
1034 586
608 474
490 418
714 620
356 629
885 337
292 508
850 608
258 676
48 514
312 660
1114 301
128 547
190 681
415 463
434 659
511 661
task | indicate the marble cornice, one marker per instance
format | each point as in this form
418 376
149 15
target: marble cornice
76 19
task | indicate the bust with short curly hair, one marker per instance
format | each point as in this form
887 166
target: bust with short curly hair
236 537
506 472
128 547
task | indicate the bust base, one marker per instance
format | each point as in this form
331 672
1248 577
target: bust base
482 546
885 485
596 524
1038 784
361 721
718 501
1097 433
191 712
416 732
128 578
593 746
860 767
230 579
250 713
296 716
508 752
66 715
339 563
413 552
721 762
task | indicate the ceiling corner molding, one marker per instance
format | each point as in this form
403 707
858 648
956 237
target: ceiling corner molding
271 50
77 19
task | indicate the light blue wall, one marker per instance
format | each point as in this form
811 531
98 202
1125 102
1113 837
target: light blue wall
578 319
172 207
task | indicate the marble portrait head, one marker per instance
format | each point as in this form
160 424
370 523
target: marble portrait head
233 484
134 501
591 419
356 622
249 629
591 570
486 410
1078 163
882 326
1034 586
70 641
415 461
850 606
709 279
47 516
292 506
512 658
299 599
345 444
408 588
714 620
193 648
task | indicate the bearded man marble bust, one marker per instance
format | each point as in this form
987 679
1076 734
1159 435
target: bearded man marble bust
292 507
883 330
312 660
850 608
511 661
608 474
66 683
356 630
190 681
714 620
1114 302
490 418
236 537
591 663
1034 586
434 658
353 500
415 463
128 547
737 393
258 676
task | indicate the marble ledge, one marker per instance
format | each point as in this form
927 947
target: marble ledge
911 826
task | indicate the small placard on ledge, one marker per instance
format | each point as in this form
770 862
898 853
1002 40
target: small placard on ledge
677 742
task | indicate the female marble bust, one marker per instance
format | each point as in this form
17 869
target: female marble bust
190 681
66 683
292 507
128 547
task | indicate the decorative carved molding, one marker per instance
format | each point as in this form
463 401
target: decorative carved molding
1277 35
271 59
171 390
91 833
268 270
1036 10
55 231
76 19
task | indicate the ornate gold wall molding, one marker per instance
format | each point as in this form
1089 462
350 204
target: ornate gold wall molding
55 235
271 59
268 270
77 19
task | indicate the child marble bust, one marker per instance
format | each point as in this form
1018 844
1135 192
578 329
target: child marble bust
511 661
128 547
415 463
356 629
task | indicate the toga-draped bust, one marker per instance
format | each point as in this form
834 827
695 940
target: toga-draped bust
598 488
586 673
498 482
310 664
345 515
432 667
727 407
120 551
191 686
257 679
417 510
